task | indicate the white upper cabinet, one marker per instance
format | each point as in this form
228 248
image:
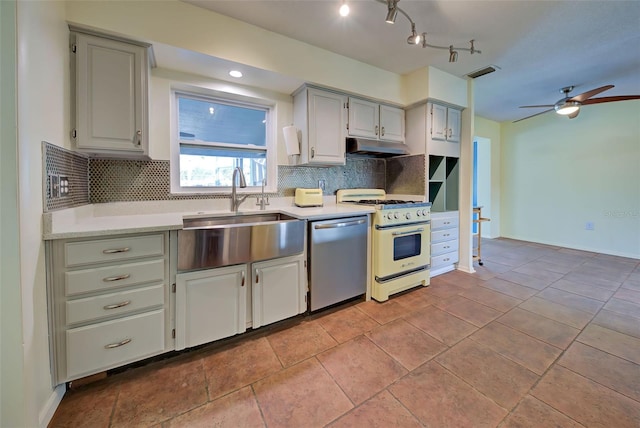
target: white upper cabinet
320 117
377 121
111 97
434 129
443 130
391 123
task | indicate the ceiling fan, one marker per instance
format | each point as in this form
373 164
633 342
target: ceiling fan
570 106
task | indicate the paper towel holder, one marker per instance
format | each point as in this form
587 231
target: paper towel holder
291 143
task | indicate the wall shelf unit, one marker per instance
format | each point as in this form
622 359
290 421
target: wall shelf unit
444 178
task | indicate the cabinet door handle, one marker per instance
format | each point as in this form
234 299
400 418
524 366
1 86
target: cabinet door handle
139 137
242 282
117 345
257 278
377 129
117 305
116 278
313 152
382 131
116 250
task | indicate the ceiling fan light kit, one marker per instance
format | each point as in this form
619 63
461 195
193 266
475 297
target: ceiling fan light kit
570 106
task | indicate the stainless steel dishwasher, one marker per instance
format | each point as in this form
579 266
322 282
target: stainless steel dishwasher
337 260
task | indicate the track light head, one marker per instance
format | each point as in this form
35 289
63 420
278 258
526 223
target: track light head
392 11
414 38
453 55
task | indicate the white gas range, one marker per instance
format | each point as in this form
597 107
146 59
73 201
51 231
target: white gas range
401 240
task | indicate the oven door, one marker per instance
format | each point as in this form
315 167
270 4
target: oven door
400 249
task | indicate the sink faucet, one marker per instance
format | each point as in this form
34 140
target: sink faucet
235 200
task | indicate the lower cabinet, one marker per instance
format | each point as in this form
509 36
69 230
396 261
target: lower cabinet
210 305
444 241
278 290
213 304
108 302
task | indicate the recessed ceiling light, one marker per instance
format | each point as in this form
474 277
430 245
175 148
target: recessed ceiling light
344 9
235 73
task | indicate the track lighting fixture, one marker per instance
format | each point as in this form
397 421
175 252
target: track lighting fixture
392 11
453 55
416 38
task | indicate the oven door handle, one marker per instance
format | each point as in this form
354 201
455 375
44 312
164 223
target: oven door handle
341 224
409 232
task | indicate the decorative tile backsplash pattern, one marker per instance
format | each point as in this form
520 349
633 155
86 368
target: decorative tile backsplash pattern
405 175
116 180
58 162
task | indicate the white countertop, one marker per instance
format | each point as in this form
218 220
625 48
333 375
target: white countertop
149 216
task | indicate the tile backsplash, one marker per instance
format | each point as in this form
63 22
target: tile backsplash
116 180
58 162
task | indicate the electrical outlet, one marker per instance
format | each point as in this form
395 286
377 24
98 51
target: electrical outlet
54 186
589 225
64 186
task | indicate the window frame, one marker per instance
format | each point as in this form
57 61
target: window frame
270 148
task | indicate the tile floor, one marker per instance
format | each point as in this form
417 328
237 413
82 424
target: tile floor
539 336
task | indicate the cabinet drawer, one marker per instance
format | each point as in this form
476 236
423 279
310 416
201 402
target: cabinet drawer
444 235
93 308
444 247
104 278
106 250
443 222
104 345
444 260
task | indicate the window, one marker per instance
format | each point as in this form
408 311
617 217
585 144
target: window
214 136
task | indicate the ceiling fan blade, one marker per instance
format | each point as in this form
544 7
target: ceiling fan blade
540 106
533 115
611 99
586 95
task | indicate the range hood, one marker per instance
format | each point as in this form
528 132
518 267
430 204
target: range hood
375 148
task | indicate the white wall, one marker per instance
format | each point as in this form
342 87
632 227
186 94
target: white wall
185 26
560 173
491 131
483 177
43 115
12 397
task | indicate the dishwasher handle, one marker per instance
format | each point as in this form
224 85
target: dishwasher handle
341 224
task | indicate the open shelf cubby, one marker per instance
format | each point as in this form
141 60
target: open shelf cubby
444 180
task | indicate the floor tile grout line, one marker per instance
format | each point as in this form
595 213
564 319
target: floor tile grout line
596 381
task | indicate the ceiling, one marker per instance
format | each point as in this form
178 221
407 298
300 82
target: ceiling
538 46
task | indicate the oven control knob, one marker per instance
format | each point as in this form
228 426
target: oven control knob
408 216
418 213
424 213
390 216
396 216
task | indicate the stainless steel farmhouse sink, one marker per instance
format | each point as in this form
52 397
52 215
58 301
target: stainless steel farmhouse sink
209 242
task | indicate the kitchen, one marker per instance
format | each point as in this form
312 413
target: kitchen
52 125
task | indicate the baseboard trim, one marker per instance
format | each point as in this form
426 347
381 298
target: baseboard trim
50 407
574 247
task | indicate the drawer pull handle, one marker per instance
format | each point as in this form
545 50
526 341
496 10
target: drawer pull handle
116 278
117 345
446 247
117 305
116 250
446 260
446 234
